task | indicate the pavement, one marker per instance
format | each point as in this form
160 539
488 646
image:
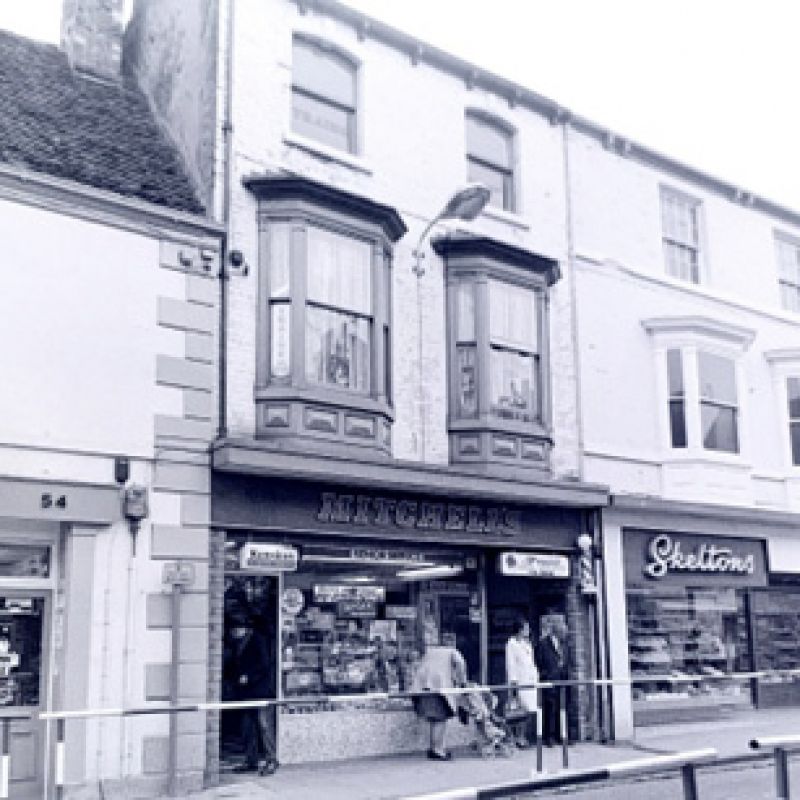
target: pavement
390 778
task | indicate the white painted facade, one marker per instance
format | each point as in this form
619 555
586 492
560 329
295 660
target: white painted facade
592 205
415 172
95 313
629 313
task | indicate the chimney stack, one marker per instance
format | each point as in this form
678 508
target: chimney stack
91 35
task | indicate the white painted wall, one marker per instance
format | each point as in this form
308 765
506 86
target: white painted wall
618 217
412 157
621 281
78 326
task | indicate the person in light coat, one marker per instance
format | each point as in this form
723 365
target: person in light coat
521 669
440 667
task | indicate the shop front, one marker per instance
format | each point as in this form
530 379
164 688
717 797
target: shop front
40 583
689 600
340 582
701 607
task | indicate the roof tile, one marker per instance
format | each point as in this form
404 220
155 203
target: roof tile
70 125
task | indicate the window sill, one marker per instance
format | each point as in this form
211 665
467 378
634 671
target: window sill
499 425
325 153
508 217
706 458
344 400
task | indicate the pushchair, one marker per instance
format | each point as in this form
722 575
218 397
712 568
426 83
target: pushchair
494 737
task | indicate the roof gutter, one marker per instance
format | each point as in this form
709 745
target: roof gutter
516 94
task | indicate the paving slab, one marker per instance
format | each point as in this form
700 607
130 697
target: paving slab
390 778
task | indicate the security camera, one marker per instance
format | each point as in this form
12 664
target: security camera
237 262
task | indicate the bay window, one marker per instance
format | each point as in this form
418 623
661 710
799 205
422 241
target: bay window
718 402
699 364
499 410
793 400
324 321
338 311
677 398
513 352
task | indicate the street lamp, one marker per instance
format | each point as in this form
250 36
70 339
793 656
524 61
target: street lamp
465 204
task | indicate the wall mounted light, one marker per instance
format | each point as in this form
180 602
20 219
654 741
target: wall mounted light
466 204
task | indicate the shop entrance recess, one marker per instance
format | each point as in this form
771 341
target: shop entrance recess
25 612
511 597
249 670
24 621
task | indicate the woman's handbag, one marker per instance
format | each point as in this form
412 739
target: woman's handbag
514 712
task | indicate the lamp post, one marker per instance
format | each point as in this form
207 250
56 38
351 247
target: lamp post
465 204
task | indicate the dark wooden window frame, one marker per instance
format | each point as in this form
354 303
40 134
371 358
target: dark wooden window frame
351 111
484 440
317 416
507 171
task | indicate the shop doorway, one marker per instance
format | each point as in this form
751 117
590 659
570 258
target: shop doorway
24 625
510 597
249 670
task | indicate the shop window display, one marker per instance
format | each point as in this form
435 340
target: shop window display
776 632
353 627
690 634
350 616
21 621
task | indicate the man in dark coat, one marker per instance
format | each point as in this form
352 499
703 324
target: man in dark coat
255 680
551 659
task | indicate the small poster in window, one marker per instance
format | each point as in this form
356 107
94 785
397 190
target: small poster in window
358 608
383 629
292 601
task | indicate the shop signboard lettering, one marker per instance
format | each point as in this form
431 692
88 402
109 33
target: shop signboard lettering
381 556
269 558
363 510
335 592
356 608
693 560
534 565
400 612
666 555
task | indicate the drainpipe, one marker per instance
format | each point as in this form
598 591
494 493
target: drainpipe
573 298
601 626
227 169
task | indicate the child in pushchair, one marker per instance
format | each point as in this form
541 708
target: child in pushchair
494 736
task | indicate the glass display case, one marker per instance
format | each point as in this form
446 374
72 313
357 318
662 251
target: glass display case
776 633
350 619
682 646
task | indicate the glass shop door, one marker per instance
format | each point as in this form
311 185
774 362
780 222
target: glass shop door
23 666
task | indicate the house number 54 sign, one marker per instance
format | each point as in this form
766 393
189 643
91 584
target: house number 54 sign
49 500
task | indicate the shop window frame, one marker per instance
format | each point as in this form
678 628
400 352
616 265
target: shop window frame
312 91
691 337
794 421
784 366
674 243
290 406
788 283
483 439
482 161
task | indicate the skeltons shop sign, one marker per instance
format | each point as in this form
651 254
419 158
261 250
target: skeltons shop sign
694 560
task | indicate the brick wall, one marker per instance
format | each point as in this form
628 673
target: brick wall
582 712
91 35
216 598
171 50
